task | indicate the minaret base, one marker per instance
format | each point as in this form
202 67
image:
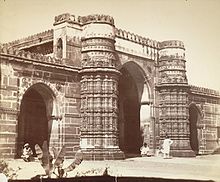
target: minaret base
182 153
103 154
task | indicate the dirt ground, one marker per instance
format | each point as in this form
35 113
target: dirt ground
200 168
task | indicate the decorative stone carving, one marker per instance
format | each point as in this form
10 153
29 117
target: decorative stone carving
99 87
172 73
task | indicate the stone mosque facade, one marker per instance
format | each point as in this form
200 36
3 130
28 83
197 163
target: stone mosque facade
89 85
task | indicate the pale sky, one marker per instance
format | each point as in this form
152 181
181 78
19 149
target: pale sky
195 22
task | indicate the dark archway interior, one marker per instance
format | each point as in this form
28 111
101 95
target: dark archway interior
129 124
131 84
193 119
33 122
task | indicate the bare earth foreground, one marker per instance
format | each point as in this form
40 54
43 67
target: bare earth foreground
199 168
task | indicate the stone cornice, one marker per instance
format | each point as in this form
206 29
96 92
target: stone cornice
172 85
99 69
204 91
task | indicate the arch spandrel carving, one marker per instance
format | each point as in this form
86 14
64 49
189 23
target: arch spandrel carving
55 95
147 75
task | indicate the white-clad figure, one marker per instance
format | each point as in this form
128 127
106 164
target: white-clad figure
145 150
3 177
27 153
166 147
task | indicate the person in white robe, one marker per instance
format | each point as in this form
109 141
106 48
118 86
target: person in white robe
145 150
166 147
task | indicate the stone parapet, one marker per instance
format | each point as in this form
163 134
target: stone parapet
82 20
96 18
133 44
25 55
30 40
126 35
204 91
171 44
66 17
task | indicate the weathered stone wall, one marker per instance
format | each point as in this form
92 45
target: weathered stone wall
18 75
207 102
72 116
8 109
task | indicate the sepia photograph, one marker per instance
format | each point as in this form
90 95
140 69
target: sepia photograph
109 91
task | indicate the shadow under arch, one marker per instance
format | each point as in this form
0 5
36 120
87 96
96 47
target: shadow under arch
194 120
132 83
37 111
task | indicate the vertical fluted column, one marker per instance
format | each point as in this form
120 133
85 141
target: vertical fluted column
173 97
99 89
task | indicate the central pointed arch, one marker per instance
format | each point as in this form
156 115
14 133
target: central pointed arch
134 108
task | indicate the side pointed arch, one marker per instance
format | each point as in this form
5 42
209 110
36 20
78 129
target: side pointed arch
195 116
39 117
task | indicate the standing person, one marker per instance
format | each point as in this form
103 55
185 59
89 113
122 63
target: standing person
166 147
27 153
145 150
3 166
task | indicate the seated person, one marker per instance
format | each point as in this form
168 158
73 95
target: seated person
159 151
27 153
145 150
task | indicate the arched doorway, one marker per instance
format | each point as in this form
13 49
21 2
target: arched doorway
34 121
194 117
132 114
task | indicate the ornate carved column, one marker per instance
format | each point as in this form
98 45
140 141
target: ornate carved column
99 89
173 97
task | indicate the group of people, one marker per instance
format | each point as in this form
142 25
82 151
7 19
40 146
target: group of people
165 150
27 153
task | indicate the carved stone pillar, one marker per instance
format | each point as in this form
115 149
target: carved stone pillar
99 89
173 97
